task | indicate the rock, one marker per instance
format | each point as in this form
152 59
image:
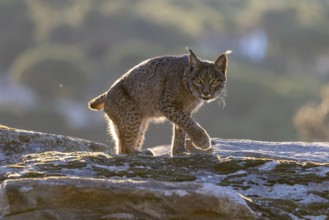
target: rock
16 142
242 179
297 151
83 198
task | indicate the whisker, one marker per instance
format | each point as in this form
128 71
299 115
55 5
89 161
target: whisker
222 97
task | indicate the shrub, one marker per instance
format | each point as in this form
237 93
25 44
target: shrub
53 71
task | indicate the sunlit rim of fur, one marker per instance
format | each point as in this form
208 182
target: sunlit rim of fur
222 97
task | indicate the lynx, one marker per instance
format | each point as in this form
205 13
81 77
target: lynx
166 87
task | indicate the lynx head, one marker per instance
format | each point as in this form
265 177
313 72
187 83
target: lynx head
207 79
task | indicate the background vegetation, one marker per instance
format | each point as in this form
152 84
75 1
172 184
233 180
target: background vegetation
56 55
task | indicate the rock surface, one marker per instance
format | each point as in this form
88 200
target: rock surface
83 198
45 176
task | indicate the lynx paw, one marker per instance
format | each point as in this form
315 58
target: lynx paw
201 140
147 152
178 149
195 150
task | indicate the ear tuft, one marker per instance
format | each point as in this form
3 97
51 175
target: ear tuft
228 52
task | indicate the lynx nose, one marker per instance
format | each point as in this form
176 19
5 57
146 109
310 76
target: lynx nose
206 93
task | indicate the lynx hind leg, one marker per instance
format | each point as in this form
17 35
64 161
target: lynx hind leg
125 130
113 131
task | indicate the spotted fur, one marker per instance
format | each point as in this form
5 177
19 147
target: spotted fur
167 87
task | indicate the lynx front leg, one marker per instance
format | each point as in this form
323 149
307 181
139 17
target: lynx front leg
178 142
198 135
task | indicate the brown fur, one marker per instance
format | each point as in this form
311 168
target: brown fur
168 87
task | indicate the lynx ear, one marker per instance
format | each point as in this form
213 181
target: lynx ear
193 59
221 61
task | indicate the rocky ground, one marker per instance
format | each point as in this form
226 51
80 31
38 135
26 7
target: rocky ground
46 176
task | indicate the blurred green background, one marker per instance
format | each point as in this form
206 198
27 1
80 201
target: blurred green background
55 55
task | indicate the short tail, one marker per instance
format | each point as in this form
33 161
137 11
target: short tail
97 103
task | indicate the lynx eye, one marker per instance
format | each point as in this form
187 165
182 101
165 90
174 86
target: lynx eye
197 81
215 82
